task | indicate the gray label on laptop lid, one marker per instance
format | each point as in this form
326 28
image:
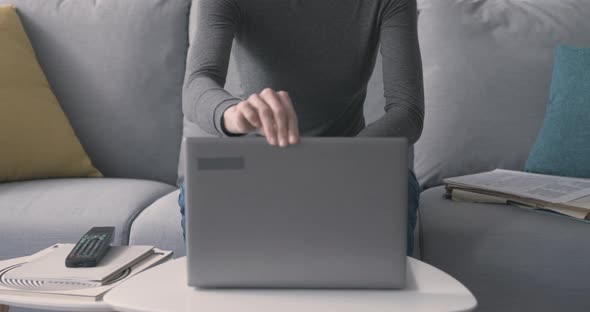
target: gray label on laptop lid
221 163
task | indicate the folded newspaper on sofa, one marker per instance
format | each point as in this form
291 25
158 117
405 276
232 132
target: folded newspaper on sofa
44 274
569 196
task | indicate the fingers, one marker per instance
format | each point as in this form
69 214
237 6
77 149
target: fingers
266 117
279 110
250 114
236 119
270 113
293 127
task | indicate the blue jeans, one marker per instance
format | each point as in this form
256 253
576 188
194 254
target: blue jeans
413 202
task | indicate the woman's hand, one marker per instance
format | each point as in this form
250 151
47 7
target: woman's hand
270 113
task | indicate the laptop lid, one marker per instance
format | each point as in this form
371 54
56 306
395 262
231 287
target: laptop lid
326 213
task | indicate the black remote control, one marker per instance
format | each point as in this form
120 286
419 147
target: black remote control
91 248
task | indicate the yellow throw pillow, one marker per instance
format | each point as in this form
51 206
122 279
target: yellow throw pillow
36 138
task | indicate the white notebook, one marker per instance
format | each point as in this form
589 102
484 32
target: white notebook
44 274
51 267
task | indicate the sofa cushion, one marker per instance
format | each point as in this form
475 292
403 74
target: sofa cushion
563 145
487 73
512 259
36 214
117 68
159 225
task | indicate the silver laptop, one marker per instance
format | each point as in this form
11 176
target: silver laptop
326 213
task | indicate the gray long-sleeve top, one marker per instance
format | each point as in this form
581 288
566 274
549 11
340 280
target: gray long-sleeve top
322 52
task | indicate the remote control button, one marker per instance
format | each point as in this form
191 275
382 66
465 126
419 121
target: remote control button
89 247
93 251
82 249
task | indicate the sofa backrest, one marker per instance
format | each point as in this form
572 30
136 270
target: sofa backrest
487 71
117 68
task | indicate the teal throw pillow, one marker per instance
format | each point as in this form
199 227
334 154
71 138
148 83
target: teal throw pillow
563 145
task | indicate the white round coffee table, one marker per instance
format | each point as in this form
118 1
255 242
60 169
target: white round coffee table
164 288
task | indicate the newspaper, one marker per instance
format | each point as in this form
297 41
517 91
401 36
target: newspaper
546 188
573 209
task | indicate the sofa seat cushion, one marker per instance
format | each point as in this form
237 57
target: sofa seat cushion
36 214
512 259
159 225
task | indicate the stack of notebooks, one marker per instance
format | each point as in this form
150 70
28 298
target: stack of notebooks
45 274
568 196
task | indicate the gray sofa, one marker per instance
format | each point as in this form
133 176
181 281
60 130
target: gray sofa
117 67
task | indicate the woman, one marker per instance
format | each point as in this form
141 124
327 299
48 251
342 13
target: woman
304 67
